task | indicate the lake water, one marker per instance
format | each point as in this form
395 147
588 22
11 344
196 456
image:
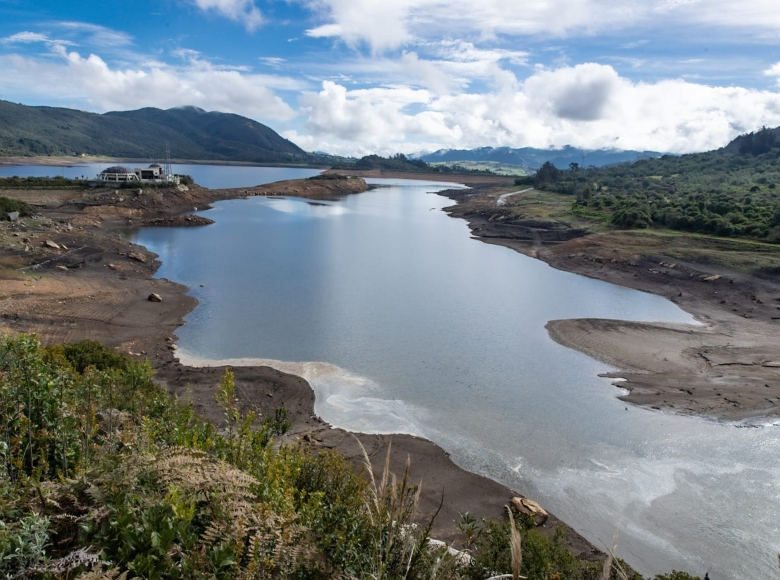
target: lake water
211 176
401 322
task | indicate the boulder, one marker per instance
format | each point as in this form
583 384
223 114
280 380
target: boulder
51 244
154 297
137 257
530 508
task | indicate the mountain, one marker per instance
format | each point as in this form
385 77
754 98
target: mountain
532 159
190 132
755 142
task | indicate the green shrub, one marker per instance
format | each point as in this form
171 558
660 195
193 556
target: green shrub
104 471
86 353
11 205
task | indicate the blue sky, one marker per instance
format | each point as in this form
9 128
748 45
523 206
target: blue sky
383 76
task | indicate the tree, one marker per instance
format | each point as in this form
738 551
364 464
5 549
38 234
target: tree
547 173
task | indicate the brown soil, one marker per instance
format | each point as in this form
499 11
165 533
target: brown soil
96 285
728 368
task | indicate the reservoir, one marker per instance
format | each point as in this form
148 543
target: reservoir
403 323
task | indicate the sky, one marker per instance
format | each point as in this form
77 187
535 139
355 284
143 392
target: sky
355 77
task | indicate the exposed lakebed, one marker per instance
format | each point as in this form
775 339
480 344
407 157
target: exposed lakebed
401 322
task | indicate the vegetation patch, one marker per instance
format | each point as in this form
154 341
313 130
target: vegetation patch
727 193
105 475
11 205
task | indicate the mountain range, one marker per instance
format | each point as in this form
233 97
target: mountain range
190 133
532 159
194 134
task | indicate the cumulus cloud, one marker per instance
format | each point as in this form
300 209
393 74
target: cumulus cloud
90 78
384 25
588 106
380 23
580 93
774 71
242 11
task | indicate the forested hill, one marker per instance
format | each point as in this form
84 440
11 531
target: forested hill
734 191
191 133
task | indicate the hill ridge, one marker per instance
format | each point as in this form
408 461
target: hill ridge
190 132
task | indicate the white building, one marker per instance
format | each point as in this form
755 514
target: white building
155 173
117 174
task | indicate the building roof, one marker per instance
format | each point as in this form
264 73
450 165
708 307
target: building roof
116 169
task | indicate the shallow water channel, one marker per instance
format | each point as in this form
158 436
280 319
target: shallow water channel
406 324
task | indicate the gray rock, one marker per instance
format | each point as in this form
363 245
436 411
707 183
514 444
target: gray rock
531 508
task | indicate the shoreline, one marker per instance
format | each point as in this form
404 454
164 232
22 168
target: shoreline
728 368
97 287
98 264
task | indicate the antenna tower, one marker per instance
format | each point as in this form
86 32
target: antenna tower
168 159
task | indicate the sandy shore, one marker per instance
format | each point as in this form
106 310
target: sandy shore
95 285
727 368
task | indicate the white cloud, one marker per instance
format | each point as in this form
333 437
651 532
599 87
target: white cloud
25 38
384 25
380 23
242 11
580 93
588 106
427 74
95 35
154 84
774 71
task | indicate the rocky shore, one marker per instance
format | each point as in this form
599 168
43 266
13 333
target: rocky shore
90 283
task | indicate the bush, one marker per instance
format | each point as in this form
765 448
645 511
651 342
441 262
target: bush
86 353
11 205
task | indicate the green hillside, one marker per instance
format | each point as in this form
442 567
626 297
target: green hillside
729 192
191 133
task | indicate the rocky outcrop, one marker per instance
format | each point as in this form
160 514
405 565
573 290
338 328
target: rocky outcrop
530 508
178 221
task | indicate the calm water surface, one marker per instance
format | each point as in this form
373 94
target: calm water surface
401 322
